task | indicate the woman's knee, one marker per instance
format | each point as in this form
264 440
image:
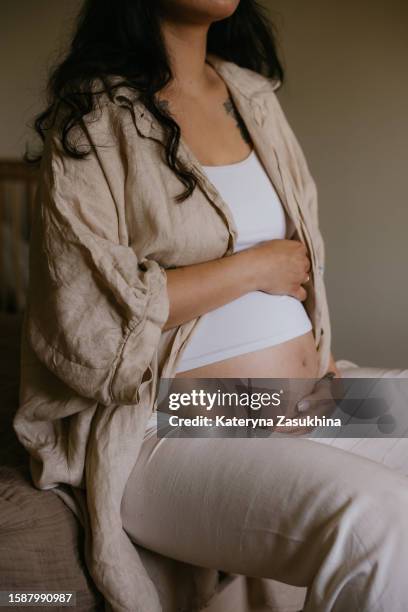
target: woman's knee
375 515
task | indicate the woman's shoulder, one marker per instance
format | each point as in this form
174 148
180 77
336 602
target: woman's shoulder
109 96
105 113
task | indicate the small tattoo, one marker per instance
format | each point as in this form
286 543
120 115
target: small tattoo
163 105
231 110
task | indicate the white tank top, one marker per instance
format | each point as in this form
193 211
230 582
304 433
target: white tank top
257 319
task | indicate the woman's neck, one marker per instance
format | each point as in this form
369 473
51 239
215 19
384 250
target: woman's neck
186 45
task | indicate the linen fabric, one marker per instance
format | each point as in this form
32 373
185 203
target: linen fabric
93 345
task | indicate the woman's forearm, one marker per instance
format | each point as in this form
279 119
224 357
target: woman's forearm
274 266
197 289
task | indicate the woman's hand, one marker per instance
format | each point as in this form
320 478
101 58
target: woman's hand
333 368
280 267
275 266
320 402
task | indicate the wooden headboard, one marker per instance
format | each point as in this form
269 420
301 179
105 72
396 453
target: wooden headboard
18 184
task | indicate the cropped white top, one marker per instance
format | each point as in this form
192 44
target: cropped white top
257 319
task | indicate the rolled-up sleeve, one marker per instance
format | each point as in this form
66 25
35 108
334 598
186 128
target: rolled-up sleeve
96 310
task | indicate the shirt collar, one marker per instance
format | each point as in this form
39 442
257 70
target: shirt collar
250 84
240 81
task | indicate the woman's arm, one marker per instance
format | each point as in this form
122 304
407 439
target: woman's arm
275 266
96 308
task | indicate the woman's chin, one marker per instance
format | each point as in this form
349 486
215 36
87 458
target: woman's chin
200 11
221 9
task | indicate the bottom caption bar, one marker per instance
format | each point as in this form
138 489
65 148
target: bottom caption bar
37 598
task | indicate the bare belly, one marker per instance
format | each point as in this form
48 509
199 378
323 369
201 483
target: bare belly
296 358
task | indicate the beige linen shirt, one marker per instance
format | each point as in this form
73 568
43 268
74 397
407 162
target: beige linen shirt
93 348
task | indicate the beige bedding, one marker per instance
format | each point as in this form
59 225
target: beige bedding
41 541
39 536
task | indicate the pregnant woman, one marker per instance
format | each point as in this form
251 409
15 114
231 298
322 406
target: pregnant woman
176 235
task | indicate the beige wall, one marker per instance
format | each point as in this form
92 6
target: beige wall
346 96
31 34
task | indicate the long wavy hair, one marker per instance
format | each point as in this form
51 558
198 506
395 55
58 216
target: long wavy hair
123 38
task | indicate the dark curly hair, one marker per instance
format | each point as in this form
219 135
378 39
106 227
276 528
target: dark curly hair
123 38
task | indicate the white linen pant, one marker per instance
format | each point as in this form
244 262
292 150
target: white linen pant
327 514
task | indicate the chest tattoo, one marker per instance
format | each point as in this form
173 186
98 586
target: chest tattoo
230 109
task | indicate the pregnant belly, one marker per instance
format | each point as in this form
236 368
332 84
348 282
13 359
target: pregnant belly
255 336
295 358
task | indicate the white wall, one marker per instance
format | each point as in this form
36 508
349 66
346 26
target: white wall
346 96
